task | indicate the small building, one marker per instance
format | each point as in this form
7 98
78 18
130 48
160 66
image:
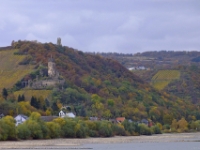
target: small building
93 118
20 119
70 115
141 68
1 116
145 121
63 114
149 123
113 120
120 119
132 68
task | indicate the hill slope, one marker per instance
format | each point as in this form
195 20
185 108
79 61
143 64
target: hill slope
97 86
186 62
163 77
10 70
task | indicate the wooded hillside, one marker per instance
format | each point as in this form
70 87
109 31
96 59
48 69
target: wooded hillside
97 86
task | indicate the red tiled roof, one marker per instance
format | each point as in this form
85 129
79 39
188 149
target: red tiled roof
120 119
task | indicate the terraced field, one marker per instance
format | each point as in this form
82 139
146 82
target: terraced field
10 71
163 77
29 93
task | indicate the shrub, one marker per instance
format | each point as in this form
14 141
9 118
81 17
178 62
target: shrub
166 126
144 130
131 127
80 130
35 128
118 130
93 133
7 128
105 129
155 130
68 129
23 131
54 129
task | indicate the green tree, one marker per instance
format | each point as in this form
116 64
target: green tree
34 102
68 129
105 129
5 93
80 130
144 129
174 125
54 129
23 132
35 128
182 125
21 98
7 128
167 119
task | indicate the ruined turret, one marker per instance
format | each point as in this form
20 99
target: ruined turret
59 41
51 68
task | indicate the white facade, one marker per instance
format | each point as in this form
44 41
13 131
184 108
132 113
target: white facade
63 114
137 68
20 119
70 115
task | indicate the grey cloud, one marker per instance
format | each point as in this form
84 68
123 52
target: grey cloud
114 25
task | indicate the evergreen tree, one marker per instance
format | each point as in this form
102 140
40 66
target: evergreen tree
44 108
83 113
47 102
5 93
19 98
34 102
23 97
54 106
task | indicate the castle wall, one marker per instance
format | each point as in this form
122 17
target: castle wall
49 83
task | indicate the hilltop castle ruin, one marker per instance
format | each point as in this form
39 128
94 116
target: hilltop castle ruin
52 80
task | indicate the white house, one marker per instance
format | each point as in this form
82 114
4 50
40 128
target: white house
1 116
62 114
137 68
20 119
132 68
70 115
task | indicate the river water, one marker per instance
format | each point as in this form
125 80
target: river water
147 146
129 146
185 141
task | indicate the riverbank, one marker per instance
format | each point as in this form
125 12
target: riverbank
179 137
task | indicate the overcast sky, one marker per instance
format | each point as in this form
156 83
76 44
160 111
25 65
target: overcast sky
124 26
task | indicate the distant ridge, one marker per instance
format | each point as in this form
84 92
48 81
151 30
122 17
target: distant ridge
5 48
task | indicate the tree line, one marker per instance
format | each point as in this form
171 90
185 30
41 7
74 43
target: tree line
35 128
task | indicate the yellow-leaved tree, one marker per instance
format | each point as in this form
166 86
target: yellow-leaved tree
182 125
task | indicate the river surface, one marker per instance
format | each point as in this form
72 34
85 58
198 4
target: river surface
183 141
129 146
147 146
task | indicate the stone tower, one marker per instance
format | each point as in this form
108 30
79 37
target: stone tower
51 68
59 41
